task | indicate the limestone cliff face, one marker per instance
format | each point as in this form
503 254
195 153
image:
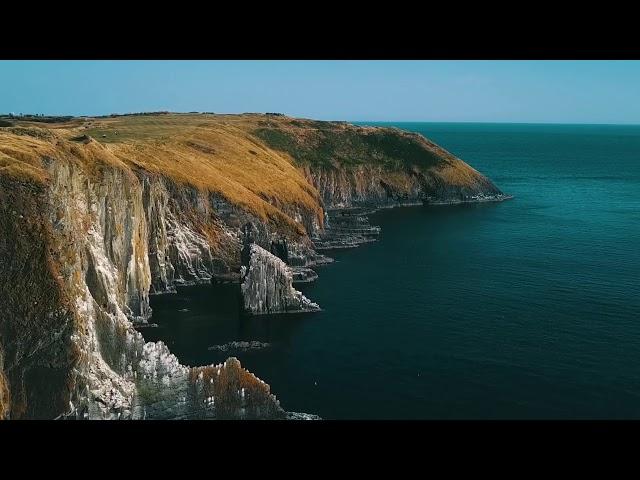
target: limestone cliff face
373 186
89 230
364 185
106 240
178 253
267 284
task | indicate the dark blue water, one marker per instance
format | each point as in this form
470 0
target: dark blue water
528 308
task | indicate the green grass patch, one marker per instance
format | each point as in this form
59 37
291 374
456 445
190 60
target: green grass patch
332 145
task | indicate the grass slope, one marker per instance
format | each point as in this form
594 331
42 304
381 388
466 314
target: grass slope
255 161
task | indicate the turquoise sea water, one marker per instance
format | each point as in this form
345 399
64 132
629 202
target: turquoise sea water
528 308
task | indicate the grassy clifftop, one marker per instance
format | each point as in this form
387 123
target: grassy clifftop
255 161
204 151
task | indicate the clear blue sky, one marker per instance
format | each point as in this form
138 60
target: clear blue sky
464 91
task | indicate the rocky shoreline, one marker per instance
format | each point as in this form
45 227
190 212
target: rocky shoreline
350 227
345 228
478 199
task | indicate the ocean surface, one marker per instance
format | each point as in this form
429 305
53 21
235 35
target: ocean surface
525 309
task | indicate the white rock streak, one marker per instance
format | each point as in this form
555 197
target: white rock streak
103 235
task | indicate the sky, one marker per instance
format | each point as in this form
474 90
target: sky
439 91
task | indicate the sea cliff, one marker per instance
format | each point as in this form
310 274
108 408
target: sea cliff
97 214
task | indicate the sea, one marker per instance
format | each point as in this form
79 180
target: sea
522 309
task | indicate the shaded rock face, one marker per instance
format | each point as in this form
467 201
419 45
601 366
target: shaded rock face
362 185
303 274
267 284
347 228
374 186
280 249
36 318
178 254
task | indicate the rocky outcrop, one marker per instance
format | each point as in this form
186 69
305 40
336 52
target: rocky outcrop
347 228
364 186
240 346
267 284
67 327
376 187
124 377
303 274
166 389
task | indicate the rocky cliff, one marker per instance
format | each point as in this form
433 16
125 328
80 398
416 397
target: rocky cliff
97 214
79 256
266 284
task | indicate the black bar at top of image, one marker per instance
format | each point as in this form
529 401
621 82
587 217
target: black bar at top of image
530 34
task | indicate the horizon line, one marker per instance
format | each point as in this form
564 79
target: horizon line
497 122
193 112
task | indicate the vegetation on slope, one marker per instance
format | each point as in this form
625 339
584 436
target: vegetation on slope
337 144
200 151
254 161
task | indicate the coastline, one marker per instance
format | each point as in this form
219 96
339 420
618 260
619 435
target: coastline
493 198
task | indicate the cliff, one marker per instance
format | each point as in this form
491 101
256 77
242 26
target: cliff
373 166
267 284
96 214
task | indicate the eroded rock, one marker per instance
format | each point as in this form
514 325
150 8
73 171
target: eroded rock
267 284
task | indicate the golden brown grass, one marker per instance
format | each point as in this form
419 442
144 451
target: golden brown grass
231 155
204 151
